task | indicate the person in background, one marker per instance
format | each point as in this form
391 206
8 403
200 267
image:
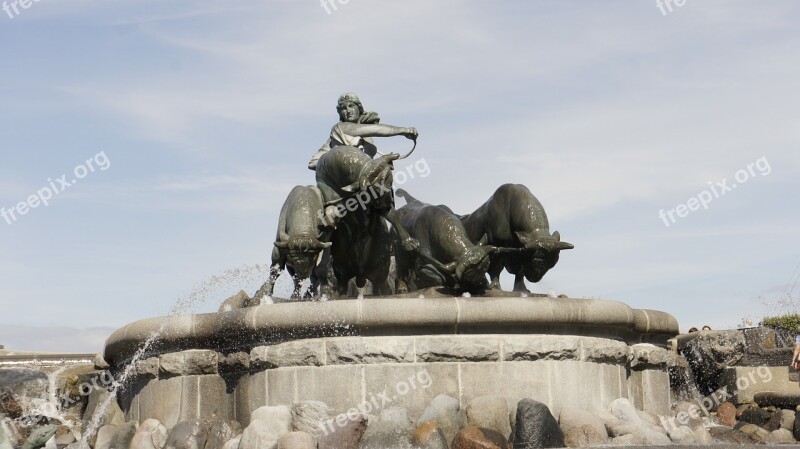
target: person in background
796 363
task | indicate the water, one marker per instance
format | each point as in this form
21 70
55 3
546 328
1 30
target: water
214 288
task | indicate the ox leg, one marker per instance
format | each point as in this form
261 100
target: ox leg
269 286
495 268
519 284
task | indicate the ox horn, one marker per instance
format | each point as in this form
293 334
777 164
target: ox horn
322 245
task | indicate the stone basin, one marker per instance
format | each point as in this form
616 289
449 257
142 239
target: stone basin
396 351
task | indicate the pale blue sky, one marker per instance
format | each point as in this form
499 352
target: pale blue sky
209 111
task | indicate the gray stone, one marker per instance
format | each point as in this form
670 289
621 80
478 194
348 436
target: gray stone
536 427
219 433
310 417
240 300
728 435
541 347
23 382
445 410
396 415
755 432
780 436
472 437
631 423
370 350
267 425
191 434
188 363
755 416
233 443
460 349
5 440
294 353
787 419
601 350
297 440
122 439
147 367
581 428
151 434
235 362
348 435
702 436
429 435
105 436
100 363
489 412
682 435
647 356
386 434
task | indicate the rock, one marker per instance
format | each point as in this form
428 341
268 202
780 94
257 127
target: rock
10 406
191 434
40 436
476 438
233 443
297 440
702 436
796 426
609 420
787 419
628 440
310 417
581 428
219 433
105 436
726 413
396 415
151 434
755 432
23 382
770 409
122 439
682 435
780 436
429 435
536 427
755 416
193 362
386 434
234 363
346 436
5 440
631 423
774 422
688 414
267 425
147 368
741 409
445 410
100 363
489 412
728 435
240 300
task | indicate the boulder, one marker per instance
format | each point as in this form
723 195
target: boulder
755 415
536 427
728 435
297 440
726 413
710 353
105 436
755 432
219 433
629 422
796 426
267 425
386 434
476 438
489 412
741 409
787 419
581 428
429 435
191 434
310 417
347 436
151 434
702 436
40 436
780 436
5 440
682 435
445 410
774 422
233 443
122 439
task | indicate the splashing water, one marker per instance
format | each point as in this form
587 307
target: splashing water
214 287
466 295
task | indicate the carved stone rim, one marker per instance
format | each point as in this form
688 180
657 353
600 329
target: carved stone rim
242 330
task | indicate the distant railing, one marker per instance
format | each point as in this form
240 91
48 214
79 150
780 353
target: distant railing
45 359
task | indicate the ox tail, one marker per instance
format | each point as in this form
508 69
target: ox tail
406 196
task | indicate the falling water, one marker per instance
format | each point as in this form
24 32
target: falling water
214 288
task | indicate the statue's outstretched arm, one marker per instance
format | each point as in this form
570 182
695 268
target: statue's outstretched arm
376 130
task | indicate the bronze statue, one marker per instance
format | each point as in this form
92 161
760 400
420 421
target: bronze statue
514 218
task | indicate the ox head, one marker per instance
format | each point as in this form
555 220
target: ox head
302 253
541 254
470 270
376 178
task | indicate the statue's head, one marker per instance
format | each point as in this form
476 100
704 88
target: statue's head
542 253
302 253
349 107
470 271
